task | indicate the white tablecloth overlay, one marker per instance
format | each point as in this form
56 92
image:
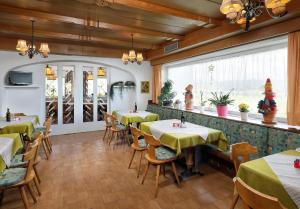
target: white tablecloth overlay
122 113
6 145
283 166
23 119
158 128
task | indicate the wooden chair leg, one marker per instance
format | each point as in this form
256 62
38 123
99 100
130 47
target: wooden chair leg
111 137
157 180
234 200
106 129
24 197
31 193
36 173
131 158
1 196
45 149
127 137
146 172
37 186
138 174
49 145
175 173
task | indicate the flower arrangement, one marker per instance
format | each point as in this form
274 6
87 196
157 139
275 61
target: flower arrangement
243 107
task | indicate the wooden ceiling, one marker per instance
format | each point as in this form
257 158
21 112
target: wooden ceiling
90 27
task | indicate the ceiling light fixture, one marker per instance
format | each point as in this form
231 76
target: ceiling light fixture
132 56
30 49
245 11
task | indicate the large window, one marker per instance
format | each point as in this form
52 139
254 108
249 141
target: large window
244 73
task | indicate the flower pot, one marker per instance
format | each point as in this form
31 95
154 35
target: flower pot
244 116
201 108
222 110
269 117
167 103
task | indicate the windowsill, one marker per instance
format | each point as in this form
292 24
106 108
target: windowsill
254 121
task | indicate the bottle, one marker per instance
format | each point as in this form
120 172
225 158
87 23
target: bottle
182 118
135 107
7 115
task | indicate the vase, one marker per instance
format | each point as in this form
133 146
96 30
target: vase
269 117
201 108
222 110
244 116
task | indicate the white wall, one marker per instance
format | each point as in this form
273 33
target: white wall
31 100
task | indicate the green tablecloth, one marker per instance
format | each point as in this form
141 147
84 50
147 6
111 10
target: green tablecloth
21 128
260 176
17 145
125 117
180 141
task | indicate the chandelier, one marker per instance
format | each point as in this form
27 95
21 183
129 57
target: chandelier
245 11
132 56
30 49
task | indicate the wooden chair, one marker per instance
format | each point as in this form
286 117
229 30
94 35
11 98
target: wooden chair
118 130
158 156
253 199
18 160
107 120
138 145
22 177
240 153
46 142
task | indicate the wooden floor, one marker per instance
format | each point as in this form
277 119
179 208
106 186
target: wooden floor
84 173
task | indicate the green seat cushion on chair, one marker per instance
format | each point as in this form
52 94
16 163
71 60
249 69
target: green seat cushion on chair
163 153
142 143
12 176
17 161
121 127
40 129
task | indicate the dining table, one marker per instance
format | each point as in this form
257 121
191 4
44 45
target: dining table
10 144
275 175
20 124
179 137
127 117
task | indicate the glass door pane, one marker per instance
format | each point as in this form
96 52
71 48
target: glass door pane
51 95
88 94
101 97
68 94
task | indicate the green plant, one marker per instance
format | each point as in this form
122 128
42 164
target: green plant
220 100
243 107
166 93
119 84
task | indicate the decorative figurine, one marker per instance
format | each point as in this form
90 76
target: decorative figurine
189 97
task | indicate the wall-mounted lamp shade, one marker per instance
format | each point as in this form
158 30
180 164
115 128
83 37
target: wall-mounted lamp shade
49 71
90 77
231 6
101 72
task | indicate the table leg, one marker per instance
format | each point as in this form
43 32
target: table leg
189 157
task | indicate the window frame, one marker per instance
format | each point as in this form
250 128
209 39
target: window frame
260 46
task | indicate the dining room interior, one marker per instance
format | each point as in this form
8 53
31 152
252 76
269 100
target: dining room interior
150 104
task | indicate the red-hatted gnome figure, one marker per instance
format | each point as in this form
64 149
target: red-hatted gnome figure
268 106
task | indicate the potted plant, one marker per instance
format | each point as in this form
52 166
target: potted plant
166 94
221 101
268 106
202 102
244 109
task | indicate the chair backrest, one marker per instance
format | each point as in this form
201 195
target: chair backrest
136 133
113 121
152 144
30 157
253 199
240 153
47 125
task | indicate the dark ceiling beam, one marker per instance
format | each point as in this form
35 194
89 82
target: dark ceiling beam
28 13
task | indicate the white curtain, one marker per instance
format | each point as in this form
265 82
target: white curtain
244 73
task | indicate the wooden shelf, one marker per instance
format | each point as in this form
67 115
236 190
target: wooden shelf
22 87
